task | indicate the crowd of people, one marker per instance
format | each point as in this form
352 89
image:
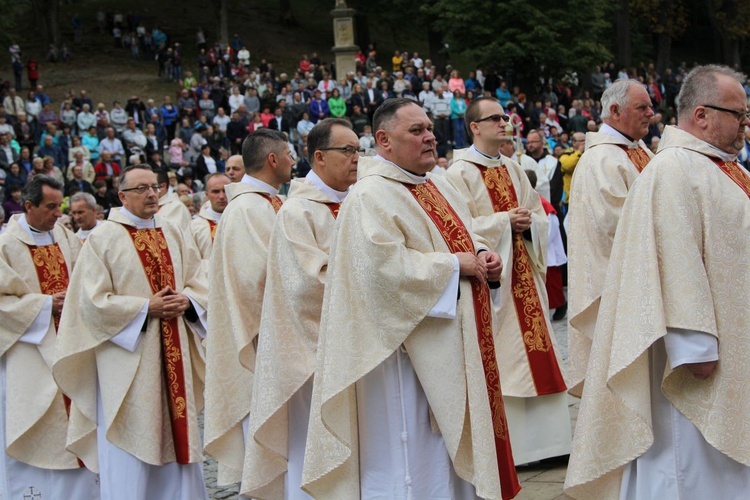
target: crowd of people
329 357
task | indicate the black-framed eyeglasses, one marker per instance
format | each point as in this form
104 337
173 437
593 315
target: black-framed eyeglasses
143 188
347 150
739 115
494 118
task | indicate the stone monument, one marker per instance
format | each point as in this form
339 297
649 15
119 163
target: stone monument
344 48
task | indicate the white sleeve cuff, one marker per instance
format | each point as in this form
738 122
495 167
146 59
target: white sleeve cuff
445 307
37 330
690 346
129 336
200 325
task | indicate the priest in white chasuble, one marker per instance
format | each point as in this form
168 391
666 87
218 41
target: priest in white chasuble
406 395
296 275
237 278
665 411
128 354
37 256
508 214
170 206
203 227
613 158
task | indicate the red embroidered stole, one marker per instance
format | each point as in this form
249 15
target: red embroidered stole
334 208
153 252
531 316
458 240
735 172
275 201
212 228
637 156
52 272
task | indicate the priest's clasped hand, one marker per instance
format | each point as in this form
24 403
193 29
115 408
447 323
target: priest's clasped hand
167 304
58 299
520 219
472 266
493 264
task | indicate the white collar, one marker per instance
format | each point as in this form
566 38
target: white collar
416 179
473 149
41 238
137 221
611 131
327 190
246 179
216 216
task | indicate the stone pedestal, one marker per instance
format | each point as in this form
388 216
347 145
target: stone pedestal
344 48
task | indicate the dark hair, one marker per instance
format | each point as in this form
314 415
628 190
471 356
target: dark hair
473 112
33 190
388 110
258 145
130 168
532 177
320 135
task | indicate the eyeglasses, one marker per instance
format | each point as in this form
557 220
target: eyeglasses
739 115
143 188
347 150
494 118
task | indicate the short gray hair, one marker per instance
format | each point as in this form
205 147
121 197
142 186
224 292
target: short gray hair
618 94
699 86
88 198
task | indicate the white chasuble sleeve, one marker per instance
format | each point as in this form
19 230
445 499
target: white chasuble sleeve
690 346
128 337
446 305
36 331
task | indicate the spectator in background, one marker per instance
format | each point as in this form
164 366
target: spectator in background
458 113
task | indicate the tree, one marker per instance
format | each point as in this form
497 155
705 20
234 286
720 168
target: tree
624 38
728 19
667 19
220 7
47 15
541 38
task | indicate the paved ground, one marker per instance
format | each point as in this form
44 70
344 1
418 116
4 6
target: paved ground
543 481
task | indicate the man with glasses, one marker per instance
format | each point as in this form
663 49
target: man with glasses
127 352
297 264
614 157
237 274
665 406
405 345
508 214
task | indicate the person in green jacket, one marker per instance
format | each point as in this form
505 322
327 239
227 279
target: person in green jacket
336 104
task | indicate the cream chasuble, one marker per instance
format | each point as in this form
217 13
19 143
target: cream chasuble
297 263
598 189
173 210
237 278
680 268
111 288
203 230
530 366
33 416
389 266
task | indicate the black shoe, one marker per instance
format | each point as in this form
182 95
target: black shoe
560 312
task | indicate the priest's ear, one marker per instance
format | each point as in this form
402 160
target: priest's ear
382 139
614 109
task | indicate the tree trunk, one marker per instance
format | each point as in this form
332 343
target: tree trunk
46 16
53 22
222 18
436 49
663 51
287 16
624 40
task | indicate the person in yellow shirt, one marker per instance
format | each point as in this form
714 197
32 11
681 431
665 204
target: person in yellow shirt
568 162
397 59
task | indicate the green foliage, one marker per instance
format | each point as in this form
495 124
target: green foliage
544 37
